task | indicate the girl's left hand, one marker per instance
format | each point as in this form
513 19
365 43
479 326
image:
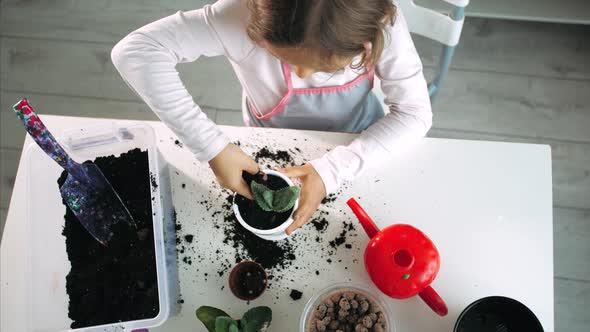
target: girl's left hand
313 192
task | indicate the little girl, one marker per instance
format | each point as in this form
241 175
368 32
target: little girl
303 64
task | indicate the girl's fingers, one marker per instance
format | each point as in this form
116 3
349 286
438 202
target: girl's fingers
300 217
252 167
309 201
242 189
299 221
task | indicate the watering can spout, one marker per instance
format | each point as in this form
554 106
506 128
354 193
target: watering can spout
368 224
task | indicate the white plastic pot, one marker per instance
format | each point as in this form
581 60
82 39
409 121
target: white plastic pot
274 234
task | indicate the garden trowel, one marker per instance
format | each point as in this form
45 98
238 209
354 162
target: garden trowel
86 191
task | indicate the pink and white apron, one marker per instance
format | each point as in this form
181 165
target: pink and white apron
348 108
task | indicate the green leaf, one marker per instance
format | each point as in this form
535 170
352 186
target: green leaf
274 200
268 197
208 315
284 198
257 319
259 190
225 324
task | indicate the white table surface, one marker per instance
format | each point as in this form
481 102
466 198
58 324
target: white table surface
486 205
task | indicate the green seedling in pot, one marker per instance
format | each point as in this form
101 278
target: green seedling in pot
216 320
269 200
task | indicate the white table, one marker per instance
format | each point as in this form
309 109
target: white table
487 206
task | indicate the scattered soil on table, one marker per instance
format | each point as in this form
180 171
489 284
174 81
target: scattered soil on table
295 294
153 181
279 156
280 259
320 224
119 282
341 238
177 225
252 213
329 199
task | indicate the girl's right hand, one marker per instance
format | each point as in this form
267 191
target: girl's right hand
228 166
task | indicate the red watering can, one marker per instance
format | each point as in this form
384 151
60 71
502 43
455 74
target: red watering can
401 260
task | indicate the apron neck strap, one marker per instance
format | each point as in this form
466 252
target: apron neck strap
287 75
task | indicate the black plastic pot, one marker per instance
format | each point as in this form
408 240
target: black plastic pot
497 314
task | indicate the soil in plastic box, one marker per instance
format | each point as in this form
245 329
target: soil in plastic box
116 283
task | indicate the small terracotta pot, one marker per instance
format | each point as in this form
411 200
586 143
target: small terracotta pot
248 280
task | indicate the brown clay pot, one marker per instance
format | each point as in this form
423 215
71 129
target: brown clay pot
248 280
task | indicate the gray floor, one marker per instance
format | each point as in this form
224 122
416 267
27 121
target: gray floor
511 81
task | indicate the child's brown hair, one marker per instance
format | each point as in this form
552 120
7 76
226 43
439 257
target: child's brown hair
325 27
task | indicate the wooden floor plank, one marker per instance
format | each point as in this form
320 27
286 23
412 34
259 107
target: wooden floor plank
103 21
514 105
230 118
572 312
569 11
515 47
3 214
488 102
86 70
571 234
571 164
486 45
8 166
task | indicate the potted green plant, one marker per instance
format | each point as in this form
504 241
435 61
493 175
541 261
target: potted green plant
276 197
216 320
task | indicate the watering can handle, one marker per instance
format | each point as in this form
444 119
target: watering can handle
434 301
44 138
368 224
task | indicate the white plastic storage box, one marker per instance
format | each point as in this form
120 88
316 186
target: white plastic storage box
48 262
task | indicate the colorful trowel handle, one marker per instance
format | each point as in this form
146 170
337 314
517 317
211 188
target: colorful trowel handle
44 138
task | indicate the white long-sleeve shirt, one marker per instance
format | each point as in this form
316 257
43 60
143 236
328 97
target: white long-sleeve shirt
147 59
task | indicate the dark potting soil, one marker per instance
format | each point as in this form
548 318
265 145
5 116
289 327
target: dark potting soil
280 156
119 282
295 294
341 238
251 212
320 224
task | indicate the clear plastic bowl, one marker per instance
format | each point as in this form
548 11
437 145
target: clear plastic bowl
328 291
